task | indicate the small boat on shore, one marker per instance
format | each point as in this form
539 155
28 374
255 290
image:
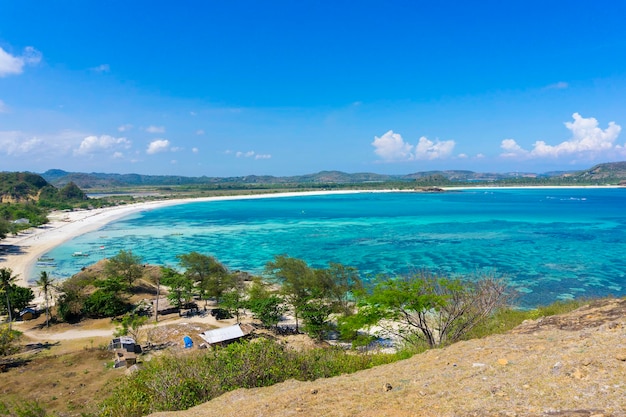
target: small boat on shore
45 259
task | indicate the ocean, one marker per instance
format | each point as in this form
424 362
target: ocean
550 244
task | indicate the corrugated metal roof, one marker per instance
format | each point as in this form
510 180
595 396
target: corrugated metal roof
223 334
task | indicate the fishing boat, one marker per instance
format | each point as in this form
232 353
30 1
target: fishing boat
79 254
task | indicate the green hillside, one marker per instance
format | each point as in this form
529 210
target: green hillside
612 173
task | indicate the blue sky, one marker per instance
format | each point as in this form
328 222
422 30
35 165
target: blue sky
293 87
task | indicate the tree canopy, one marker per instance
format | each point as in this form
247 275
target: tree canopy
429 308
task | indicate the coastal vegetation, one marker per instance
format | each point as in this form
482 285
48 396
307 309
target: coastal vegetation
428 308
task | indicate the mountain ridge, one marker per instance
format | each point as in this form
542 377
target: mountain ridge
612 171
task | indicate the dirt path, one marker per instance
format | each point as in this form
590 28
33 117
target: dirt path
104 327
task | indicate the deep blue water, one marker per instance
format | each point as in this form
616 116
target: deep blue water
551 243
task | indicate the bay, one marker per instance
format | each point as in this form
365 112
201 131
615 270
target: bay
550 243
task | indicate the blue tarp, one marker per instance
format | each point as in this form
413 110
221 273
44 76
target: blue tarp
188 342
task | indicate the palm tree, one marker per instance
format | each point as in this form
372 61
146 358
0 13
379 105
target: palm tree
6 280
45 282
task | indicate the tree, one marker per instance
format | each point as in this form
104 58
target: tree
45 282
107 300
131 325
71 302
338 284
104 304
315 315
233 300
126 265
268 310
21 297
296 278
207 272
180 285
6 281
429 308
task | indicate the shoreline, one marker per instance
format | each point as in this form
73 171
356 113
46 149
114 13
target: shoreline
25 248
29 245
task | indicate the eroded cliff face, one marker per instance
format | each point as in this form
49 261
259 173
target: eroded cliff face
568 365
15 200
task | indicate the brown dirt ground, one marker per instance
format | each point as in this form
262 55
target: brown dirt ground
570 365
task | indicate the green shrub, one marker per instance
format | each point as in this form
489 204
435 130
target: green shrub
177 382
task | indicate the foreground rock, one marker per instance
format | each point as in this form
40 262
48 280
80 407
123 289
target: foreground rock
570 365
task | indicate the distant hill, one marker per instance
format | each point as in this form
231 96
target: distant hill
24 187
613 172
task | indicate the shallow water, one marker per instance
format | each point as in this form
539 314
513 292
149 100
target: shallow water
551 244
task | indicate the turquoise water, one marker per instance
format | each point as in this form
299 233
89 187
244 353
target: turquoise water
551 244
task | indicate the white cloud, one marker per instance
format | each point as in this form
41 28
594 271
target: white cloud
101 68
31 56
3 107
10 65
561 85
199 132
427 149
96 144
511 148
15 143
19 144
195 150
156 146
193 113
155 129
587 140
462 156
249 154
125 128
244 154
392 148
118 155
173 162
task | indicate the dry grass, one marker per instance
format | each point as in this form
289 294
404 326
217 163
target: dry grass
64 378
574 365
